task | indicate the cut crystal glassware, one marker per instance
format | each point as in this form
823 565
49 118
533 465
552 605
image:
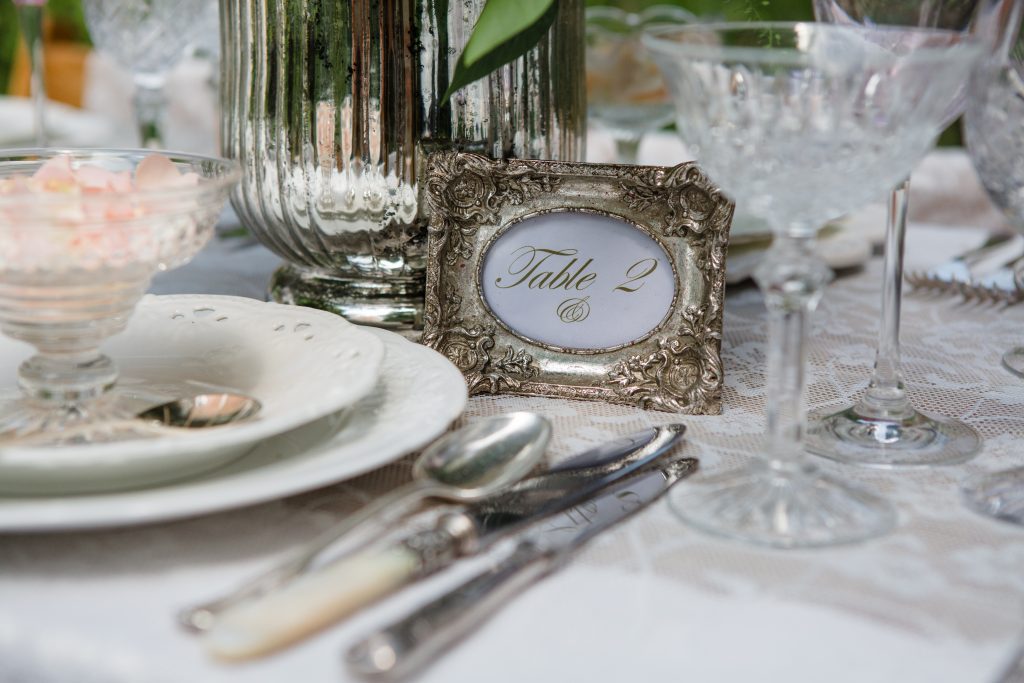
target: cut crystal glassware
994 133
626 95
801 123
883 429
997 494
147 38
73 265
993 127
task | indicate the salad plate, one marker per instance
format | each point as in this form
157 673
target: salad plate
418 395
299 363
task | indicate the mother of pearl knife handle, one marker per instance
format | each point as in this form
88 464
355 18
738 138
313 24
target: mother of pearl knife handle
309 603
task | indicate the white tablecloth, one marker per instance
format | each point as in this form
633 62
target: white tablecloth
940 599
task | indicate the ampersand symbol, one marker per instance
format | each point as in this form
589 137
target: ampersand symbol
573 310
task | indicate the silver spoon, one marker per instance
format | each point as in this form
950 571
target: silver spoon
190 412
203 410
469 464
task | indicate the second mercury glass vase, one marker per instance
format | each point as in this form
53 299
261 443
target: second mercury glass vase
331 107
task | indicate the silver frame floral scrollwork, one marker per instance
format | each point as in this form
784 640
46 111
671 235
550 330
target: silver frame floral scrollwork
678 368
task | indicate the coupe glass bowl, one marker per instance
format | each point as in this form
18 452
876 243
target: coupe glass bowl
73 265
994 132
148 39
802 123
993 128
626 95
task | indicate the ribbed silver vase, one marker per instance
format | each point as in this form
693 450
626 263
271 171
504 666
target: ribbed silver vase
331 107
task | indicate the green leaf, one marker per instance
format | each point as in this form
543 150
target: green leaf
8 42
505 30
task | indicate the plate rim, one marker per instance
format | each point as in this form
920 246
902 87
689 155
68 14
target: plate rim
231 436
144 507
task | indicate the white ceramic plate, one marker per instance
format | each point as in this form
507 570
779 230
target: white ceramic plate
301 364
841 249
418 395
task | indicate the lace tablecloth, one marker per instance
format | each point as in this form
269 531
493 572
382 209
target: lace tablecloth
940 599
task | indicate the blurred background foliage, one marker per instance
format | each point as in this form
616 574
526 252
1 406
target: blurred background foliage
730 10
65 20
65 23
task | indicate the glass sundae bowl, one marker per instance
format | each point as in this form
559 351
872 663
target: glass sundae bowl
81 234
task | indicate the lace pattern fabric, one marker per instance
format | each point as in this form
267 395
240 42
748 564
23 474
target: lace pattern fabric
944 593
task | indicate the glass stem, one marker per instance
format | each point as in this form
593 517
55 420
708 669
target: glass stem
30 19
885 396
792 279
67 379
627 150
149 111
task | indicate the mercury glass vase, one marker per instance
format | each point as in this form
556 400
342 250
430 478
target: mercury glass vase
331 107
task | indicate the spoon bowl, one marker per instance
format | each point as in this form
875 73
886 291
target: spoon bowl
191 412
202 410
482 457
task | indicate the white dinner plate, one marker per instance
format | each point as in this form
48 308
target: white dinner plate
418 395
840 249
301 364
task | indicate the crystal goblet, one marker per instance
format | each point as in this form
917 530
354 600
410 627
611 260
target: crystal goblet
30 19
883 428
993 127
74 261
803 123
149 38
626 95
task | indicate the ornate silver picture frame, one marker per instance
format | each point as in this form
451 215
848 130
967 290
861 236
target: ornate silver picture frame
581 281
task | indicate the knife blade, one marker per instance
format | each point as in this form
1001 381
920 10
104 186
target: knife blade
333 591
413 642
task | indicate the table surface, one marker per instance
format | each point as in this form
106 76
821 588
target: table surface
939 599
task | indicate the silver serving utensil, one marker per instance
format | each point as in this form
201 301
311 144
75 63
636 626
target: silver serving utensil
318 598
466 465
966 274
411 643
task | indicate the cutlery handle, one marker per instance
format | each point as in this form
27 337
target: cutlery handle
410 644
386 509
309 603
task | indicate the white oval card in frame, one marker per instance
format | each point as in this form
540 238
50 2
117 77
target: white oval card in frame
586 281
577 280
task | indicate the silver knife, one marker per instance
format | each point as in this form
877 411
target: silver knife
333 591
408 645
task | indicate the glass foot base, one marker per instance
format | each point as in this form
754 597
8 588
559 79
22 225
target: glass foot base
394 303
793 509
1013 360
919 440
998 494
27 423
109 418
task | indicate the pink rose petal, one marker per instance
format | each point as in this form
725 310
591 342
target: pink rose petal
55 174
13 185
95 179
157 172
121 182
